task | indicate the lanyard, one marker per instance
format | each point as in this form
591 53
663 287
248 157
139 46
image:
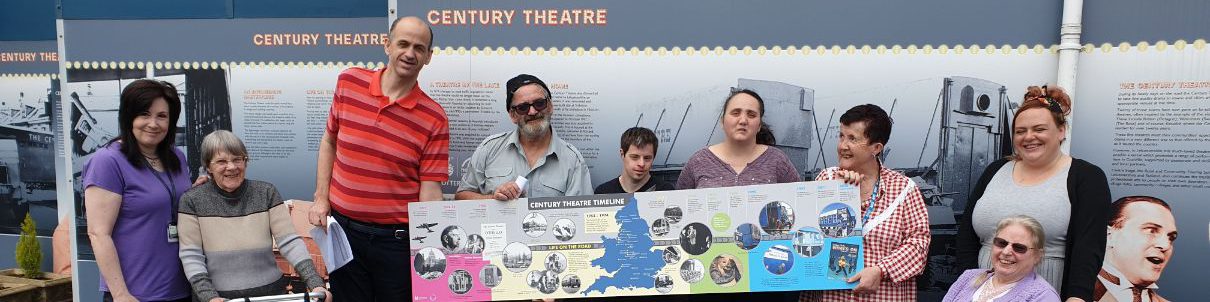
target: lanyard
167 187
873 198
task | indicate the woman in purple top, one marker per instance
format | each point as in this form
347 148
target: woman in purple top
131 189
1016 250
744 157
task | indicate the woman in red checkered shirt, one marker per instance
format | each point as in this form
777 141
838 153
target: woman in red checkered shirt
896 226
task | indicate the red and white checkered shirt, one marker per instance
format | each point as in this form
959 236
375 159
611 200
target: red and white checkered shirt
899 246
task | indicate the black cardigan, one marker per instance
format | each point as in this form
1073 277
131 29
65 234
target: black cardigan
1089 192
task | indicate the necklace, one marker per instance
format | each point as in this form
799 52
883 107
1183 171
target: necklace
990 290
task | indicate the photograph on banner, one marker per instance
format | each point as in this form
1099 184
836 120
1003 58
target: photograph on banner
275 110
29 132
950 120
1141 236
720 240
93 118
1144 121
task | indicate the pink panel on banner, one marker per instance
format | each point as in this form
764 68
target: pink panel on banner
443 289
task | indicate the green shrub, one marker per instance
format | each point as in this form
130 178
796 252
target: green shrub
29 254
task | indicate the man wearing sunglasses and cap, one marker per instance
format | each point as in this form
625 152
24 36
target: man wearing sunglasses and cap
530 161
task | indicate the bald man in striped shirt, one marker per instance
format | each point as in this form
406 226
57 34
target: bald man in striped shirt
386 144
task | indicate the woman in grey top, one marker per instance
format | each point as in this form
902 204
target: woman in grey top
1068 196
228 227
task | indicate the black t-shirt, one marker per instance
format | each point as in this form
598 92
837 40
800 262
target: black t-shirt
615 186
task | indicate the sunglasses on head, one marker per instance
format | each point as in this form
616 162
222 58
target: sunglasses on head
524 107
1016 247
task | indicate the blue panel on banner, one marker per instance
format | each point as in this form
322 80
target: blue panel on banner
1116 21
227 40
685 23
27 21
145 9
309 8
18 57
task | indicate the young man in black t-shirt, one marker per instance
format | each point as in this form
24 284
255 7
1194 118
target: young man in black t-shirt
637 149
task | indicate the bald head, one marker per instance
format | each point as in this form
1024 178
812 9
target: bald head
411 21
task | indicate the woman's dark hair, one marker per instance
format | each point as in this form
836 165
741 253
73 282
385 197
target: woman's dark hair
136 99
765 135
877 122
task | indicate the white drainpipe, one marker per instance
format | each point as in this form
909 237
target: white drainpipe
1069 55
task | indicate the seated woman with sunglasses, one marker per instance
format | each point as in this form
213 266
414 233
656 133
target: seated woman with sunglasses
229 225
1016 250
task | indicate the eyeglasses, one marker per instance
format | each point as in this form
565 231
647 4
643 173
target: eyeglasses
524 107
238 161
1017 247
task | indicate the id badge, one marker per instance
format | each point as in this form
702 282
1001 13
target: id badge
172 235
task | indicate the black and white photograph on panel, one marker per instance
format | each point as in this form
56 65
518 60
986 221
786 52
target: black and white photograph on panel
548 283
429 263
517 257
534 224
533 278
453 238
673 214
564 229
692 270
474 244
663 283
490 275
460 282
29 135
556 262
659 227
571 284
671 255
696 238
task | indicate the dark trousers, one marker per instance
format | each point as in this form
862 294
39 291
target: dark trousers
108 297
381 269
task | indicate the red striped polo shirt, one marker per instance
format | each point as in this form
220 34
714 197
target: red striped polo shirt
384 148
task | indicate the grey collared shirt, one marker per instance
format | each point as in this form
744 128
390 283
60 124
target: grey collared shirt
499 159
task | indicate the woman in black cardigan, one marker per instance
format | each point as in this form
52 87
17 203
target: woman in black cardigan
1068 195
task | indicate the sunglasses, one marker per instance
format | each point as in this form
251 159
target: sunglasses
1016 247
524 107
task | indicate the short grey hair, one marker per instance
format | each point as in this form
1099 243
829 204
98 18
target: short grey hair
1030 224
221 141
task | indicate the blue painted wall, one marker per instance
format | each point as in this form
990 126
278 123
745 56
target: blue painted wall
221 9
1133 21
27 20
